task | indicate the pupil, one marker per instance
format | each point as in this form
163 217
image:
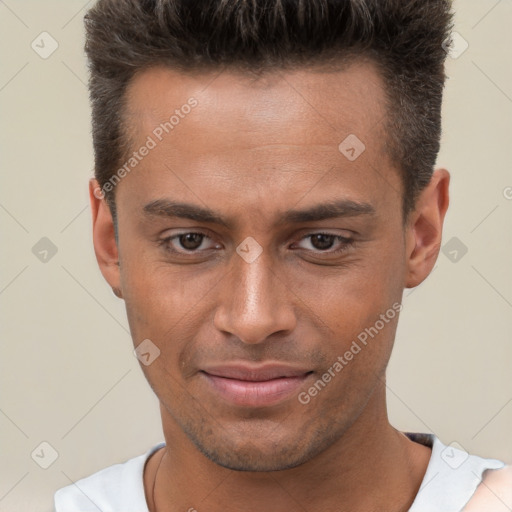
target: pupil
191 240
325 241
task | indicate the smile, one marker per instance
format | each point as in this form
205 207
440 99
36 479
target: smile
257 387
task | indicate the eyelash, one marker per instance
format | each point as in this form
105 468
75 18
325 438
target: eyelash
346 243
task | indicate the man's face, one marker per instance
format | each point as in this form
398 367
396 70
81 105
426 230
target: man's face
251 151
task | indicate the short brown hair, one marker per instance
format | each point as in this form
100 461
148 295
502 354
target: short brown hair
403 37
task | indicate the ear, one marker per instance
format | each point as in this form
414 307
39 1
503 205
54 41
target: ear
425 227
105 246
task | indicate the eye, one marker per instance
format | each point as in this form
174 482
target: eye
323 242
189 242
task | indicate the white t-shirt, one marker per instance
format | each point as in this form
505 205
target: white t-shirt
451 479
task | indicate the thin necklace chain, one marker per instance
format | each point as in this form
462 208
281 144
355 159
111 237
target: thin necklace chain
154 483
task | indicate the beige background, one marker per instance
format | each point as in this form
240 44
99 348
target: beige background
68 375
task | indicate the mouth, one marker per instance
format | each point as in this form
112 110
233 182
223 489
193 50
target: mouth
255 386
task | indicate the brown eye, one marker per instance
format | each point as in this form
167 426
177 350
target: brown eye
325 243
191 241
188 243
322 241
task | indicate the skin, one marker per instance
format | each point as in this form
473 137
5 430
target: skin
249 151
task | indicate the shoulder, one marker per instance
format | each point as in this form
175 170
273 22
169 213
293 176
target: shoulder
494 493
117 487
456 480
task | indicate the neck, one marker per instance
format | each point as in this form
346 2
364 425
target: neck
371 467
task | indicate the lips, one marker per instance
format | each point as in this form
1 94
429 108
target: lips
254 386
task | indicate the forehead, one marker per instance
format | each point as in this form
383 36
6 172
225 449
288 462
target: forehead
305 106
258 136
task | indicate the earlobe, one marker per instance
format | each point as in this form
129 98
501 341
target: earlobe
105 246
425 228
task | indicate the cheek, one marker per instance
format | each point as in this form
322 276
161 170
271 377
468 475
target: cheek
360 308
166 304
154 297
350 299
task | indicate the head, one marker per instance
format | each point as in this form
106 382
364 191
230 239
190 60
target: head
264 192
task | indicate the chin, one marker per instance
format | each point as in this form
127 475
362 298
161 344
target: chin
245 452
252 459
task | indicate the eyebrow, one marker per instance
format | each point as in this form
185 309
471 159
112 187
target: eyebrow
323 211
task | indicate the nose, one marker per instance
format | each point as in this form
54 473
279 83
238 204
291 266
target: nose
253 302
